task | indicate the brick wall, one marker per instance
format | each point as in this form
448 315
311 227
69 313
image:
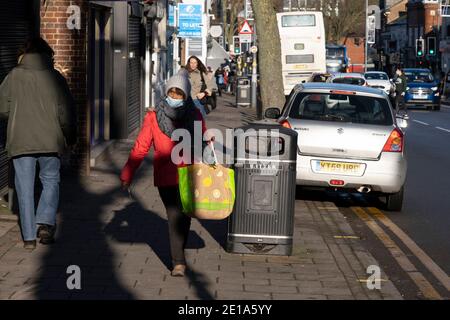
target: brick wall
71 60
355 51
431 17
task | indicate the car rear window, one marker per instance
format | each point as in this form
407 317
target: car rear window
376 76
350 80
341 108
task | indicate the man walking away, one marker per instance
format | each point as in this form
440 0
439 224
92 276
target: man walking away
36 100
400 90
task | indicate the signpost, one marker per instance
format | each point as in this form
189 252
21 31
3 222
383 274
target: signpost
245 33
248 10
190 20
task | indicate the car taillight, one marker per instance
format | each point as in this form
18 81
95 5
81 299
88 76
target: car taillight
394 142
285 124
337 182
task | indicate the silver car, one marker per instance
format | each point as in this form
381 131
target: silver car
348 78
349 138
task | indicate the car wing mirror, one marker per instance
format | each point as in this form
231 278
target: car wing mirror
402 121
272 113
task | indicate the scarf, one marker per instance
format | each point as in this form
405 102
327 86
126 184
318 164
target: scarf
170 119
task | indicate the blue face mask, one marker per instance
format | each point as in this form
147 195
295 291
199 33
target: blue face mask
174 103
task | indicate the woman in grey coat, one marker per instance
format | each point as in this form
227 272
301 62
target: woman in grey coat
201 84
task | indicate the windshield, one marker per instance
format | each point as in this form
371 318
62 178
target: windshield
376 76
419 76
341 108
350 80
298 21
335 52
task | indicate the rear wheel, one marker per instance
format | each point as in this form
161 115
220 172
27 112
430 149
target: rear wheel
394 201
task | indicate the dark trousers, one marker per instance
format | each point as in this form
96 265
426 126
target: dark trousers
400 102
179 223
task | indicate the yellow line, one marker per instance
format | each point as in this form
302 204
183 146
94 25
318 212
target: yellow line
415 249
424 286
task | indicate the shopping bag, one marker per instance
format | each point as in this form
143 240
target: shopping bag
207 191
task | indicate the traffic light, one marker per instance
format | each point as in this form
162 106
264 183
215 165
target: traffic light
237 45
432 46
420 44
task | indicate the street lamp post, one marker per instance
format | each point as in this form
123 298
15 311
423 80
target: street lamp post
366 39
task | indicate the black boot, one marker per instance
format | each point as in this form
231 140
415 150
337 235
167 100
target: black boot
46 233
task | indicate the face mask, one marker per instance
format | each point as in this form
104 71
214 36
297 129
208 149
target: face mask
174 103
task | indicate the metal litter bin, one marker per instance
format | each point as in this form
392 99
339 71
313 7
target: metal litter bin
243 91
263 217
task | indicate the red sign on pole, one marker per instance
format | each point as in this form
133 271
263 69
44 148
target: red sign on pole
246 28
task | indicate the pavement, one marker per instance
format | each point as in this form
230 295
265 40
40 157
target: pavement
120 244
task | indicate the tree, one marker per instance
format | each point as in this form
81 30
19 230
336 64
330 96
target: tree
231 10
343 18
271 80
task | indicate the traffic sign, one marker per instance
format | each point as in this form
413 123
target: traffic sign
245 38
246 28
371 26
254 49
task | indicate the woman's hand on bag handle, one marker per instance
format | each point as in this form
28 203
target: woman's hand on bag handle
200 95
209 137
125 185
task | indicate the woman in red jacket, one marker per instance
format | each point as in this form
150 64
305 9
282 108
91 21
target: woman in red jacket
176 111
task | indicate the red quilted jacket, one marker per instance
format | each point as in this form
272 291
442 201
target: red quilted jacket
165 172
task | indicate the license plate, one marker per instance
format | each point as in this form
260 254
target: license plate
300 66
419 96
344 168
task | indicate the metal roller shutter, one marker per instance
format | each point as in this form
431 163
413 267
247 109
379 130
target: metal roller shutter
134 74
15 27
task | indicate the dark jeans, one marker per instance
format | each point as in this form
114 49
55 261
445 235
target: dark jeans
179 223
400 102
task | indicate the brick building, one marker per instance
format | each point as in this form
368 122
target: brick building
355 51
113 55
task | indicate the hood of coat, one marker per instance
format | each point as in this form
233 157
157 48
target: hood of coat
36 61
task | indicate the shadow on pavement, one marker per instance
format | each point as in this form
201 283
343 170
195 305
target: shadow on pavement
81 241
135 224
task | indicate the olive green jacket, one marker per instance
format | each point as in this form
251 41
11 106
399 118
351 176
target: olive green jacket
36 101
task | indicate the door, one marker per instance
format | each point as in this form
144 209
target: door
134 72
17 23
100 79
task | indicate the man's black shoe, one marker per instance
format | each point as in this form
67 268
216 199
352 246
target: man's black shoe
46 233
30 244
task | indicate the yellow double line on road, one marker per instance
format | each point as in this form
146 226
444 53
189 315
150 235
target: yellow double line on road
417 277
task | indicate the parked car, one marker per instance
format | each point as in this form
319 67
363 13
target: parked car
422 89
348 78
319 77
348 138
380 80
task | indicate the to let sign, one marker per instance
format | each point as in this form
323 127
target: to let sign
190 20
